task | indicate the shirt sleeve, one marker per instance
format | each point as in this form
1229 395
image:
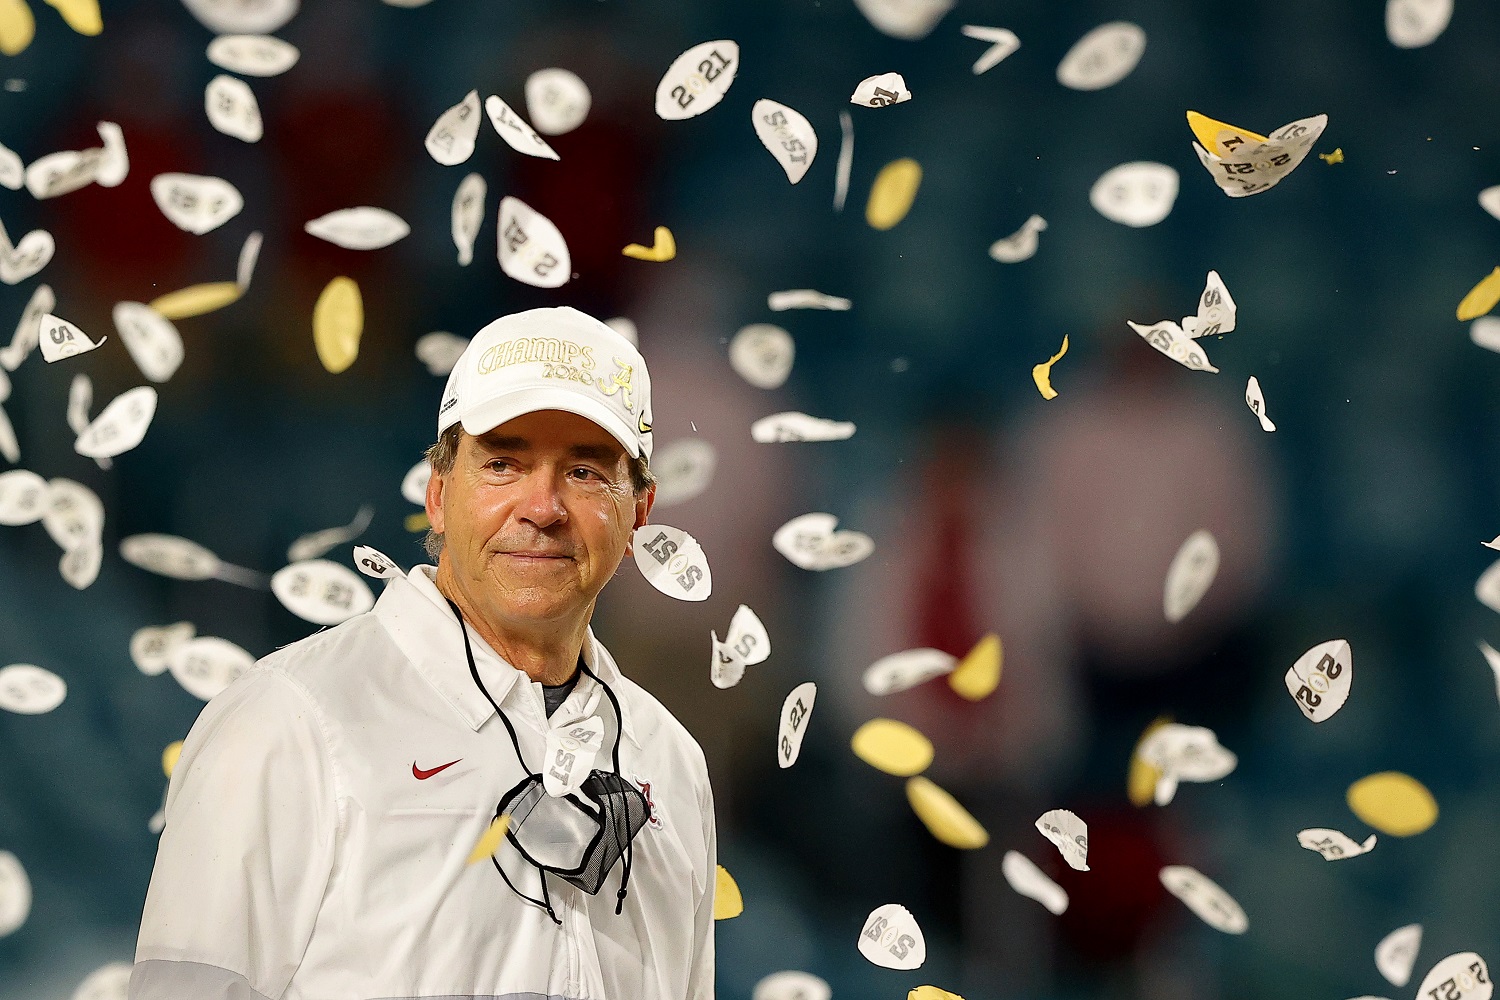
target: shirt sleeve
247 850
701 975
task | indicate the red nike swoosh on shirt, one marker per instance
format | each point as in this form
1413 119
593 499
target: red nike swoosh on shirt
421 775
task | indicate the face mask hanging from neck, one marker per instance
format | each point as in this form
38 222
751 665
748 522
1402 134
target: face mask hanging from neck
577 837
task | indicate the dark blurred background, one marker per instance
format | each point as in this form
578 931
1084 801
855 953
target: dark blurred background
1049 522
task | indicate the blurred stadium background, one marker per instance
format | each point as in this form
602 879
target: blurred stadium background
1049 522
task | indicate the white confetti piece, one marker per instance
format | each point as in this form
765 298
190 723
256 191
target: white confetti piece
795 711
845 161
513 129
1491 655
907 669
1333 844
531 249
153 342
747 636
468 215
1397 953
1256 400
907 19
27 689
1216 310
1319 681
253 55
321 591
151 647
625 328
697 80
12 170
361 228
1203 896
79 567
762 355
194 203
80 402
1489 200
1463 976
451 139
63 172
1253 167
1487 587
792 426
1030 881
249 255
414 483
375 564
24 259
10 447
1140 193
1003 42
1411 24
557 101
1103 57
74 516
1069 834
787 135
805 298
15 894
61 339
114 162
570 754
810 542
29 328
108 982
120 426
1184 753
891 938
684 469
207 665
1168 338
1191 574
1021 244
315 543
1485 331
232 108
440 351
792 985
255 17
881 91
725 667
23 497
672 561
169 555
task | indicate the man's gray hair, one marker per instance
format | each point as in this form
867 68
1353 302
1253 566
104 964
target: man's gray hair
443 453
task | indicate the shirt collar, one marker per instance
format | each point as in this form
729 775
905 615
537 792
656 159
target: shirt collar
418 619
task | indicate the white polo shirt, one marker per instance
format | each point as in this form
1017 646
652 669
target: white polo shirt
315 845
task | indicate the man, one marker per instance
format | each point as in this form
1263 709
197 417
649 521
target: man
321 819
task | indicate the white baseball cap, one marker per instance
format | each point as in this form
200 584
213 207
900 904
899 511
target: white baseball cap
551 359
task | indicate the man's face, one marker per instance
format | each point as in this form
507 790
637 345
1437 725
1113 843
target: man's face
536 516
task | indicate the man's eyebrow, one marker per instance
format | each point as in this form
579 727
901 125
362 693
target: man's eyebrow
596 452
492 443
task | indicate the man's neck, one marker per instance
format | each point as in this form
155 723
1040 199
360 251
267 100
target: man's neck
549 656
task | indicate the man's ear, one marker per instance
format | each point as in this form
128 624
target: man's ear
435 501
643 504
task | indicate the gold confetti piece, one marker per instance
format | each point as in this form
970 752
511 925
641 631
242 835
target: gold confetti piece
1337 156
17 27
1208 129
978 674
931 993
892 747
169 757
1042 374
1481 298
338 321
195 300
1393 803
490 842
663 250
728 903
82 15
944 818
894 190
417 521
1140 786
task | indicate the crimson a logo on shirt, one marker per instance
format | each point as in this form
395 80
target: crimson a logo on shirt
645 787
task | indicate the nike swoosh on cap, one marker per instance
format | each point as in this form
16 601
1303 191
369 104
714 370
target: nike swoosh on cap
421 775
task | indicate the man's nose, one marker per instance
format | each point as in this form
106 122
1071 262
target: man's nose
541 500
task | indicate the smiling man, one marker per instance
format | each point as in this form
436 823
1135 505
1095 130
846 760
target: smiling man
322 821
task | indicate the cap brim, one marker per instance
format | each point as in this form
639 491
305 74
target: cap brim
491 413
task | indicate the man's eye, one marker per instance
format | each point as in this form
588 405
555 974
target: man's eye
586 474
499 465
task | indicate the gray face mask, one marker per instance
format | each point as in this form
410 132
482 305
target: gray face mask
576 837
